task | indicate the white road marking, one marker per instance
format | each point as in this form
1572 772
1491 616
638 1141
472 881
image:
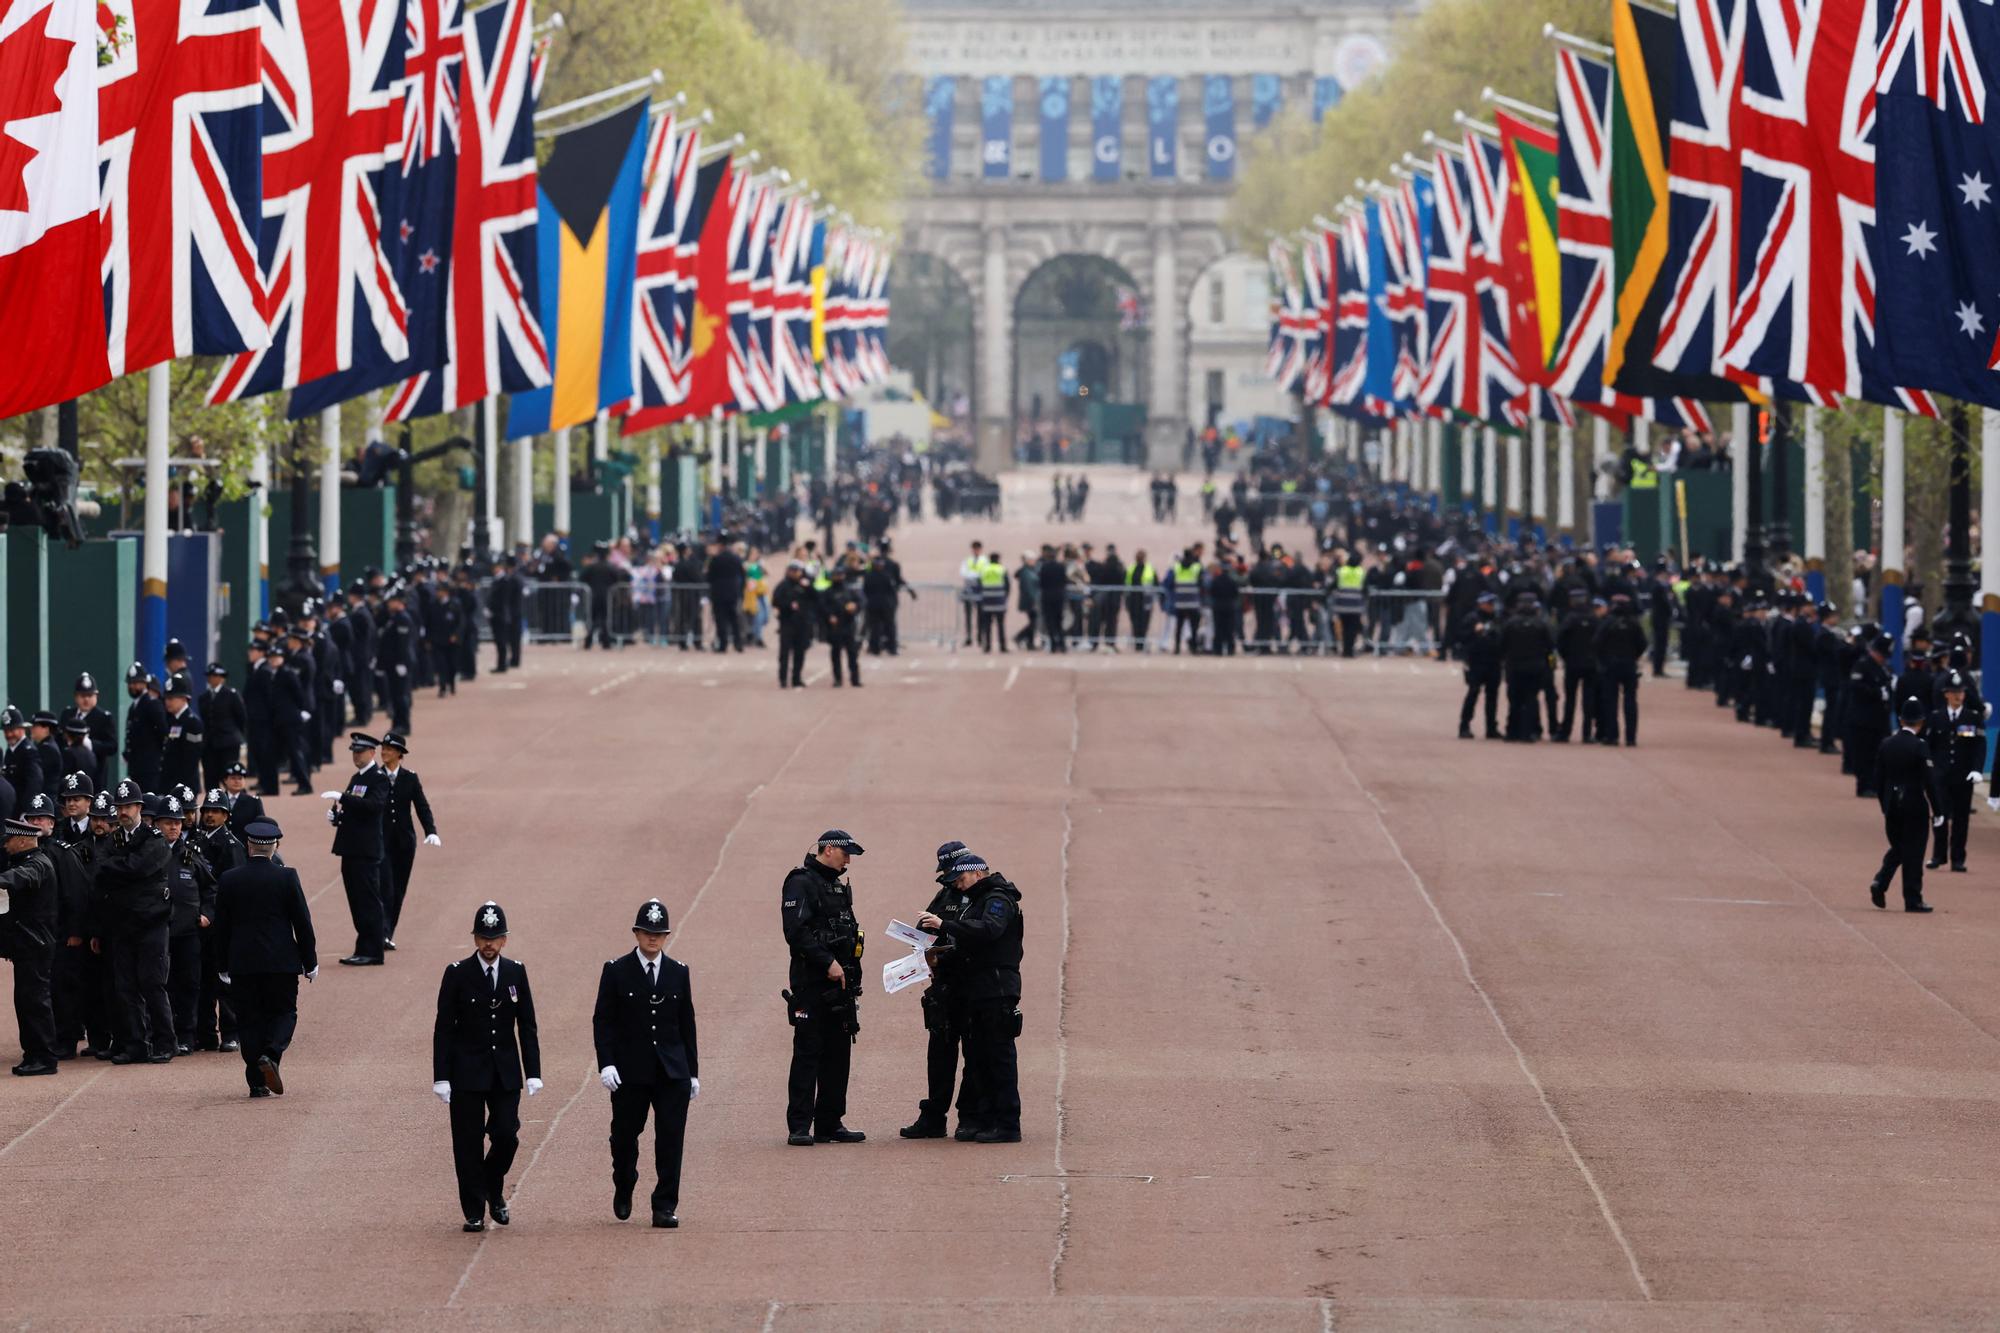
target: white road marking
1012 676
57 1110
1062 995
1740 902
613 683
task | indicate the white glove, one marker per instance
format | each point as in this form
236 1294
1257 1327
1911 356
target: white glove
432 840
443 1090
1975 778
534 1086
222 977
333 818
304 716
608 1076
694 1088
329 796
402 671
1993 804
1938 822
315 972
340 687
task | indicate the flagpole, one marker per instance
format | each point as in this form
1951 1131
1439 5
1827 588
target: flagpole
1516 105
1566 480
153 549
720 148
522 529
1538 473
329 499
653 80
488 424
560 481
260 510
1550 32
1476 125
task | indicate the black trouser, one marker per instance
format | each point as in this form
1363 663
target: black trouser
842 644
792 645
78 990
1188 621
1864 742
184 982
1350 632
993 630
396 700
822 1048
668 1102
482 1171
143 769
363 882
1107 618
1663 628
1478 681
1957 817
292 745
444 661
1052 625
1142 621
361 693
265 752
945 1027
1804 688
1228 625
1524 703
468 654
504 638
1265 608
1296 611
215 760
139 977
728 624
1909 835
989 1054
34 1000
401 859
881 626
1620 690
1577 680
267 1014
215 1016
971 609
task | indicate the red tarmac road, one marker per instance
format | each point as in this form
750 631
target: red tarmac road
1333 1020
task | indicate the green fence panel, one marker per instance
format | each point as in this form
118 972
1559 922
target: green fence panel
27 617
94 628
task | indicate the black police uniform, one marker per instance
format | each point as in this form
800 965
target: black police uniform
987 977
180 753
145 733
260 724
396 655
946 1027
1906 785
28 940
22 767
1526 644
643 1026
1621 643
134 909
818 910
1479 647
484 1044
98 724
797 607
224 717
406 798
80 980
840 609
503 612
1958 748
264 939
215 1015
1868 691
191 884
359 843
291 716
1576 645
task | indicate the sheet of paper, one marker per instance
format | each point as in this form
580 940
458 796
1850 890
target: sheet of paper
903 972
910 935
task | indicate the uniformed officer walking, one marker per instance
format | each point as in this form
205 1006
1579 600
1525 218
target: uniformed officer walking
1906 784
28 892
133 912
1958 748
987 975
648 1060
944 1020
264 938
358 841
824 1002
408 807
484 1041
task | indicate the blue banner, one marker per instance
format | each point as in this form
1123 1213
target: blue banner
1327 93
1055 128
1163 127
1107 138
1267 94
996 128
1218 107
939 94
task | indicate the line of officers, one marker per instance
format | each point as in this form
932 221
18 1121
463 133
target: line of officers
1599 642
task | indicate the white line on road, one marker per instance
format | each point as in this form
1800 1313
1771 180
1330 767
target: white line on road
1012 676
613 683
1739 902
18 1139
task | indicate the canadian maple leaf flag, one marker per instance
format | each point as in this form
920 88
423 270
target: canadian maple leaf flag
51 292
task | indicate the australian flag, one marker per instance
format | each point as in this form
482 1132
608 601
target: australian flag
1937 200
417 193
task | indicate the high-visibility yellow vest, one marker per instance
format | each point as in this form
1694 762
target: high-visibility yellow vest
1140 576
1348 578
1643 476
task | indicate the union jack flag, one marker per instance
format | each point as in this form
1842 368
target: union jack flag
1316 274
872 317
1406 225
749 378
660 318
1503 394
1805 200
1464 372
333 119
792 302
494 341
180 122
842 251
1350 312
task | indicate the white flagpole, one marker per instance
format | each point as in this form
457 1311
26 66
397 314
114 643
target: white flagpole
329 498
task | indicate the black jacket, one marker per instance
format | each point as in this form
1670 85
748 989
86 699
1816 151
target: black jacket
262 923
145 727
1869 690
406 794
132 881
1621 639
180 754
358 819
192 886
1957 748
257 697
1479 643
224 717
288 700
1576 641
103 729
1906 781
248 809
797 606
1526 643
23 768
33 894
988 937
646 1032
820 928
222 849
485 1037
74 883
397 646
53 768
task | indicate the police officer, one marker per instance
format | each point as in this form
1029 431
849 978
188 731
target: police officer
259 721
1869 687
1906 783
134 908
1576 645
100 729
29 891
1526 644
396 656
840 610
797 603
988 935
944 1020
484 1040
1621 643
42 734
224 716
181 753
992 605
824 1002
22 764
145 730
290 716
406 799
80 980
264 939
215 1017
359 842
191 886
1957 734
1479 647
648 1060
504 598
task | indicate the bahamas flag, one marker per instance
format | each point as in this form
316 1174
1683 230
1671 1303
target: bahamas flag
587 234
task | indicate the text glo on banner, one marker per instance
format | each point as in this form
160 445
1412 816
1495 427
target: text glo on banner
1163 126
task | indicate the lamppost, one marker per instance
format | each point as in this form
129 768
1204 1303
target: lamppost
1960 585
1753 531
302 561
1781 466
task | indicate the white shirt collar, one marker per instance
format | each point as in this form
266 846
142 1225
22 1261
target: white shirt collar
640 954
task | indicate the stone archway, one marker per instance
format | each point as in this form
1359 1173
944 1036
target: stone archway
1074 301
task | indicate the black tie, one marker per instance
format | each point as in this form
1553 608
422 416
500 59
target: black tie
653 974
493 979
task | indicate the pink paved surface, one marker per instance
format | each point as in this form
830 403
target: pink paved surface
1332 1021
